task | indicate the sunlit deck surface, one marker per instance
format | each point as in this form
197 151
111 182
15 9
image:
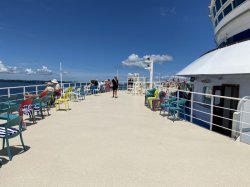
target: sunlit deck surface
104 141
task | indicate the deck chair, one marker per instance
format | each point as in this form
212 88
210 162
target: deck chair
166 104
178 107
37 106
61 100
150 99
81 93
27 109
7 131
8 113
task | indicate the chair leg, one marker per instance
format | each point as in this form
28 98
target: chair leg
41 111
174 114
8 149
184 113
3 143
66 105
47 108
21 137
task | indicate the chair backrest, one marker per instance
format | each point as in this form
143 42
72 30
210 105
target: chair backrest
14 108
45 99
23 103
171 99
26 102
70 89
65 96
13 122
4 107
182 102
43 94
13 98
156 93
37 101
49 94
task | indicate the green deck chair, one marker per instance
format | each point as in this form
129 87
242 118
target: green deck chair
7 132
178 107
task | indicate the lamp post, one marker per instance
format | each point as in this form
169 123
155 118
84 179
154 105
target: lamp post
150 67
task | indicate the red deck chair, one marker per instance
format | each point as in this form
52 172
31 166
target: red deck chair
26 108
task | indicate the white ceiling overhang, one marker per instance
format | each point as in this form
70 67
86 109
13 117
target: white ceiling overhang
234 59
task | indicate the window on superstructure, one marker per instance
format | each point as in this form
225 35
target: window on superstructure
216 22
223 1
220 17
207 98
227 10
218 5
214 11
238 2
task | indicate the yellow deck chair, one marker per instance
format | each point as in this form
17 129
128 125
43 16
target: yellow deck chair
150 99
61 100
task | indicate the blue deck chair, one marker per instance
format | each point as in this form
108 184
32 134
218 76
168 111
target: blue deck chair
178 106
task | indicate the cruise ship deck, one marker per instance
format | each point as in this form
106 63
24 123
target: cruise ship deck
103 141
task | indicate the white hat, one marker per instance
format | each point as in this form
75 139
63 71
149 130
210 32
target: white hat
54 81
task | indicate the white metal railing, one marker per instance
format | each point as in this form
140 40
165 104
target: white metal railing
19 91
204 112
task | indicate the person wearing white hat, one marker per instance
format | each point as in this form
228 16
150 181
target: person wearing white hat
57 88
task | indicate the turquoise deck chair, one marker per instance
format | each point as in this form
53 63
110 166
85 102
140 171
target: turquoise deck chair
37 107
9 112
7 131
178 106
166 104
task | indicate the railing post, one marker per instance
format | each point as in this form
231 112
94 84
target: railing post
178 95
8 92
23 92
36 90
191 106
212 112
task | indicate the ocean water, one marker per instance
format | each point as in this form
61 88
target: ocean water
19 91
14 84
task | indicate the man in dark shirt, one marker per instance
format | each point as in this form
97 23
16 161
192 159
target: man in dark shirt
115 86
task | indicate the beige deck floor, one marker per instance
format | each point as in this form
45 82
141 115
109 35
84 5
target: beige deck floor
118 142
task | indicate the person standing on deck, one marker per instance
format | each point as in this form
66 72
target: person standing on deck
115 86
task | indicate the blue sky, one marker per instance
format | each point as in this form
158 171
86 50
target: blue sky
92 37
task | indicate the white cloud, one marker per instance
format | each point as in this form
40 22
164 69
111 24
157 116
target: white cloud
135 61
29 71
3 69
7 69
44 71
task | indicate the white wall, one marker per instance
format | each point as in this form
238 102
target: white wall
234 23
242 80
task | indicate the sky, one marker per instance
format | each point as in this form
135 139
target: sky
95 39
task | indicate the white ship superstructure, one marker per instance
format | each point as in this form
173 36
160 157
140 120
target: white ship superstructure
230 19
